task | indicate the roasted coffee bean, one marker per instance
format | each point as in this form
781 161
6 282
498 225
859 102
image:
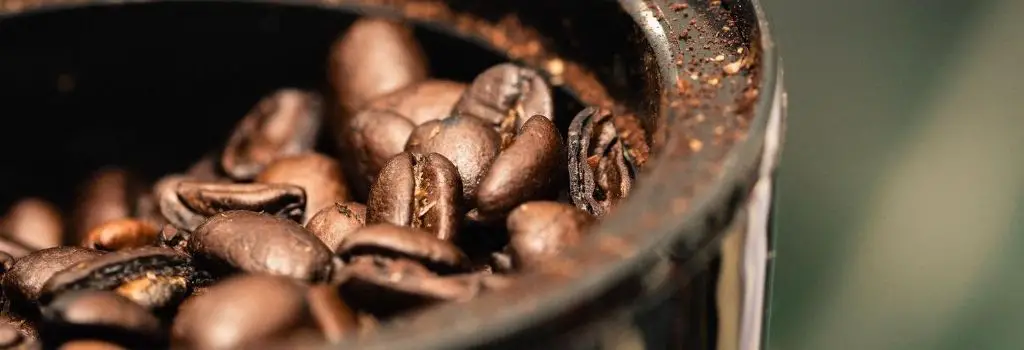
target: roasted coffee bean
386 286
208 169
17 333
332 224
506 96
539 230
375 136
335 319
241 312
207 199
6 262
100 315
154 277
90 344
320 176
13 248
374 58
23 283
283 124
605 154
35 223
405 242
122 234
421 102
465 141
109 195
171 207
522 172
420 191
260 243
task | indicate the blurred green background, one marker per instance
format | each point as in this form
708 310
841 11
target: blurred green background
901 207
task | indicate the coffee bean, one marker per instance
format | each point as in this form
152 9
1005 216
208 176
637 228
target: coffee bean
122 234
90 344
103 315
320 176
524 171
6 262
375 136
332 224
207 199
283 124
15 249
241 312
23 283
422 102
373 58
467 142
605 154
9 336
541 229
154 277
335 319
420 191
391 240
171 207
208 169
260 243
17 333
35 223
109 195
506 96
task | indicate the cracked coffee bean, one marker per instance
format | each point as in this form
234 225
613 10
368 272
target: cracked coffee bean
283 124
506 96
260 243
606 152
419 191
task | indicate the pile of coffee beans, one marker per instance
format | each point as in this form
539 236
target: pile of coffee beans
431 191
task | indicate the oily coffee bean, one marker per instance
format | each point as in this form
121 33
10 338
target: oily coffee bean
605 154
333 223
23 283
241 312
109 195
207 199
541 229
374 58
335 319
35 223
154 277
467 142
420 191
122 234
260 243
524 171
320 176
283 124
506 96
17 333
100 315
406 242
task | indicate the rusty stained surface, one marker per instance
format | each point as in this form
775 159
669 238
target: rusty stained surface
706 109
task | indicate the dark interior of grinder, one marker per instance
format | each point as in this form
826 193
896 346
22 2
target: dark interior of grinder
274 173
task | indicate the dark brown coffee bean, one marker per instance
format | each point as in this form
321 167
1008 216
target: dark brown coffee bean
241 312
90 344
100 314
320 176
605 154
109 195
283 124
260 243
422 102
17 333
207 199
538 230
23 283
420 191
332 224
373 58
335 319
122 234
154 277
171 207
505 96
391 240
524 171
375 136
35 223
467 142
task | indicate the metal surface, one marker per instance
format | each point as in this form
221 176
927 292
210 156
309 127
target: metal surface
703 77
